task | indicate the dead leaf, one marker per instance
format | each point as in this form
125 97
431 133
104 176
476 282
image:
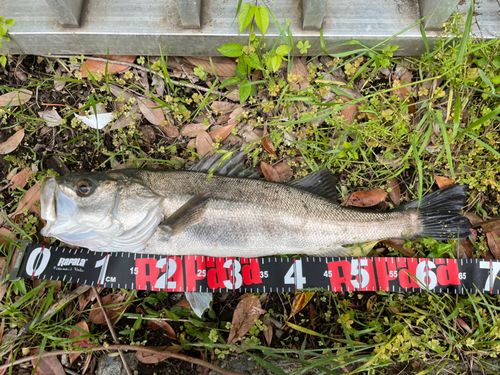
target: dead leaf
284 171
100 66
58 83
493 239
20 179
47 365
170 130
300 301
73 334
204 143
151 111
349 112
157 324
84 300
150 358
399 245
268 333
7 233
312 315
235 114
395 193
192 130
443 182
465 248
268 144
367 198
12 142
51 117
97 317
299 69
28 200
184 303
2 372
15 98
218 135
488 226
269 172
244 316
403 94
5 285
224 66
224 107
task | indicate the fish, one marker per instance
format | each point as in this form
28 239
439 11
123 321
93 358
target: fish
230 213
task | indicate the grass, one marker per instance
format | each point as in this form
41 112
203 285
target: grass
453 132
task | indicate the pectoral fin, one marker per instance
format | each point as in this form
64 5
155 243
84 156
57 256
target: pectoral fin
188 214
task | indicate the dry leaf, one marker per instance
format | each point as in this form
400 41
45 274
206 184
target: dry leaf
97 317
170 130
51 117
269 172
47 365
236 113
218 135
493 239
349 112
244 317
399 245
148 108
28 200
224 107
366 198
192 130
488 226
403 94
84 300
73 334
150 358
284 171
268 144
204 143
100 66
268 333
157 324
15 98
299 69
443 182
184 303
12 142
300 301
20 179
395 193
465 248
5 285
7 233
224 66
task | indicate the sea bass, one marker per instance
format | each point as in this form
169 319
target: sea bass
229 214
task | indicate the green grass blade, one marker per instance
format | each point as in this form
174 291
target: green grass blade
485 145
419 169
481 120
446 142
424 37
456 115
465 35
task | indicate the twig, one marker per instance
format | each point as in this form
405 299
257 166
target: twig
112 330
132 65
166 354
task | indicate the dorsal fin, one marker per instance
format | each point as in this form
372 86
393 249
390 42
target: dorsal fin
322 183
233 167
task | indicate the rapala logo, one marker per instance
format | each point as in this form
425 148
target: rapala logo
77 262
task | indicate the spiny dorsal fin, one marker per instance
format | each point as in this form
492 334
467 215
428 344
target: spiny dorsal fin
322 183
233 167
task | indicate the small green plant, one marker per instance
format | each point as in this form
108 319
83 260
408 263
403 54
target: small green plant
3 35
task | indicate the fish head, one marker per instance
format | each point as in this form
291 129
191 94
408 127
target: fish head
95 210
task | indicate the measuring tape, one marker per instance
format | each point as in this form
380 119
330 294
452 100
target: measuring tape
271 274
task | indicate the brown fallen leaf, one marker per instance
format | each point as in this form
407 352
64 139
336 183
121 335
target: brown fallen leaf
299 69
247 310
443 182
204 143
170 130
47 365
403 94
157 324
184 303
395 193
84 300
349 112
218 135
268 333
152 358
224 107
192 130
51 118
367 198
268 144
28 200
300 301
97 317
74 334
284 171
100 66
20 179
399 245
151 111
488 226
12 142
6 233
493 239
269 172
15 98
5 285
312 315
224 66
233 117
465 248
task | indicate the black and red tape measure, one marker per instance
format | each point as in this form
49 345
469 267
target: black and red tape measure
271 274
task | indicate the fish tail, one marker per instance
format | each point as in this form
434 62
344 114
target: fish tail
439 214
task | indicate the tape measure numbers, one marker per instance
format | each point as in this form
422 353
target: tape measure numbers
270 274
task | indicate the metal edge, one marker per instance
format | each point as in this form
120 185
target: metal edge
14 275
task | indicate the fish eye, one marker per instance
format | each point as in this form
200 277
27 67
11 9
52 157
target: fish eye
84 188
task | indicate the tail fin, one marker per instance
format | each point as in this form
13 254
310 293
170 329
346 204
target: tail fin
439 213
